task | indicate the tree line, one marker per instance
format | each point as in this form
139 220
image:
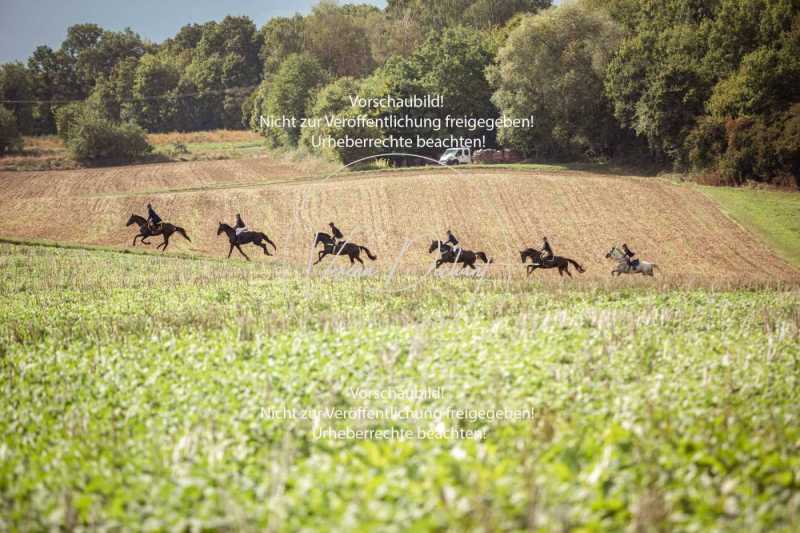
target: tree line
711 86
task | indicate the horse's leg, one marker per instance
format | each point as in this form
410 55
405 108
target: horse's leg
263 247
439 263
230 251
136 237
241 251
358 258
166 242
321 255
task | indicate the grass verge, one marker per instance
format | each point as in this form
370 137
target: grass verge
773 216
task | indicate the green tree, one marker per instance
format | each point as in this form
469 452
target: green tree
10 138
287 94
16 84
336 39
552 68
334 100
53 78
437 14
280 37
155 80
236 42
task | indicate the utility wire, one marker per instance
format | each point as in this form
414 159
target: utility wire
135 98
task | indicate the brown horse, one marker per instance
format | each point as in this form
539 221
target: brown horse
246 237
447 254
165 229
331 247
561 263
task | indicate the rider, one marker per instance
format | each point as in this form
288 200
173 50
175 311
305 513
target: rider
547 252
629 256
451 239
153 220
240 226
337 235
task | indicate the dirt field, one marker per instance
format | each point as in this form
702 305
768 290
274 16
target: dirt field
499 211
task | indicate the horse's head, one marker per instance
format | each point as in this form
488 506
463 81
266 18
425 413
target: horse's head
221 228
434 246
523 254
614 253
136 219
322 237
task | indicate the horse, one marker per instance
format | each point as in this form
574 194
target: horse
165 229
561 263
246 237
331 247
467 258
624 266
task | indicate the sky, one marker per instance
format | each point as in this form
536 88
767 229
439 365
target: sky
26 24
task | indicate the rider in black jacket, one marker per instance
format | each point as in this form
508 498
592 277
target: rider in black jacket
629 256
337 235
153 220
547 251
451 240
240 227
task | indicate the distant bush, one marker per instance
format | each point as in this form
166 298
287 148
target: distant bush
89 136
10 138
748 148
67 117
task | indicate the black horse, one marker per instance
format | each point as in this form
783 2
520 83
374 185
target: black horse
246 237
467 258
164 229
561 263
331 247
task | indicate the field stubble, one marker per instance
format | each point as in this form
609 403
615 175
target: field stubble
499 211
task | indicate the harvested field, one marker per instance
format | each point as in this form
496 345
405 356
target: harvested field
499 211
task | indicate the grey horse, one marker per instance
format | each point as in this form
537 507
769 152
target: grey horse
625 267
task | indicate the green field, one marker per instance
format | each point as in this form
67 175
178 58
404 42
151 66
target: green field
773 216
138 392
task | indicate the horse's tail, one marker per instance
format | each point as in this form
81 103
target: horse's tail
369 254
182 232
264 235
482 257
578 267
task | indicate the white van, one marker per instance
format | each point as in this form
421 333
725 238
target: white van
456 156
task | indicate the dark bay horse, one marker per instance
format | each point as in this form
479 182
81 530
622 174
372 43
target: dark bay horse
246 237
467 258
331 247
561 263
165 229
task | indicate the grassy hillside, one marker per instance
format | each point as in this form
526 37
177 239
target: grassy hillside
772 215
141 391
49 153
